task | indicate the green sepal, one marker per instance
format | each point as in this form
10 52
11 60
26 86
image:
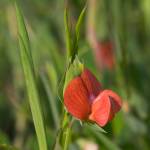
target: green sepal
75 69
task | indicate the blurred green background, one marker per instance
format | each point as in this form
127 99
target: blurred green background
125 23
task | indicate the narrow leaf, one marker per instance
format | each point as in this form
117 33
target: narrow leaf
51 99
23 32
68 34
78 25
77 35
52 76
95 127
29 75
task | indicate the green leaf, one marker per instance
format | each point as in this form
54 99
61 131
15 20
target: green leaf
29 75
68 35
23 32
77 34
52 76
95 127
72 39
78 25
51 99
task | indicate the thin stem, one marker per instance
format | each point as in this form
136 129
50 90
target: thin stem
65 129
68 135
60 130
67 139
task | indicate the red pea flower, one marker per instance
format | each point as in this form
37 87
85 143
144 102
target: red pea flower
106 55
85 100
103 51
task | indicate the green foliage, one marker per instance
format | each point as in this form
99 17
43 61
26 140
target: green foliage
72 37
51 98
68 34
6 147
79 23
94 127
30 77
125 23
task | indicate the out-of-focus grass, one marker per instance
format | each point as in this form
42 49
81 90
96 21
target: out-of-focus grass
127 23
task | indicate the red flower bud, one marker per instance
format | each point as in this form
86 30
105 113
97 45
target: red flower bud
85 100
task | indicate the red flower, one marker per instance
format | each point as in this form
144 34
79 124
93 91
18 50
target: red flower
85 99
105 55
103 51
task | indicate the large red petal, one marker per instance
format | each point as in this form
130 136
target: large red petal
92 84
101 110
104 107
76 99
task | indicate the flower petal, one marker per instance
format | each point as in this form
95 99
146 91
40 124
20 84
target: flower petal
104 107
92 84
101 110
76 99
115 100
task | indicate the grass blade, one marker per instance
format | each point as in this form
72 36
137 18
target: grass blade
29 75
23 33
51 99
77 34
78 25
68 35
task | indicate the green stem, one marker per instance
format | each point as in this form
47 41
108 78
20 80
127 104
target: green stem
64 132
67 139
68 135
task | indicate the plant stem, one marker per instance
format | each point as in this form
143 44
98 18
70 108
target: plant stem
67 138
64 132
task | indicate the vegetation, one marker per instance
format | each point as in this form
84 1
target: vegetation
43 45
